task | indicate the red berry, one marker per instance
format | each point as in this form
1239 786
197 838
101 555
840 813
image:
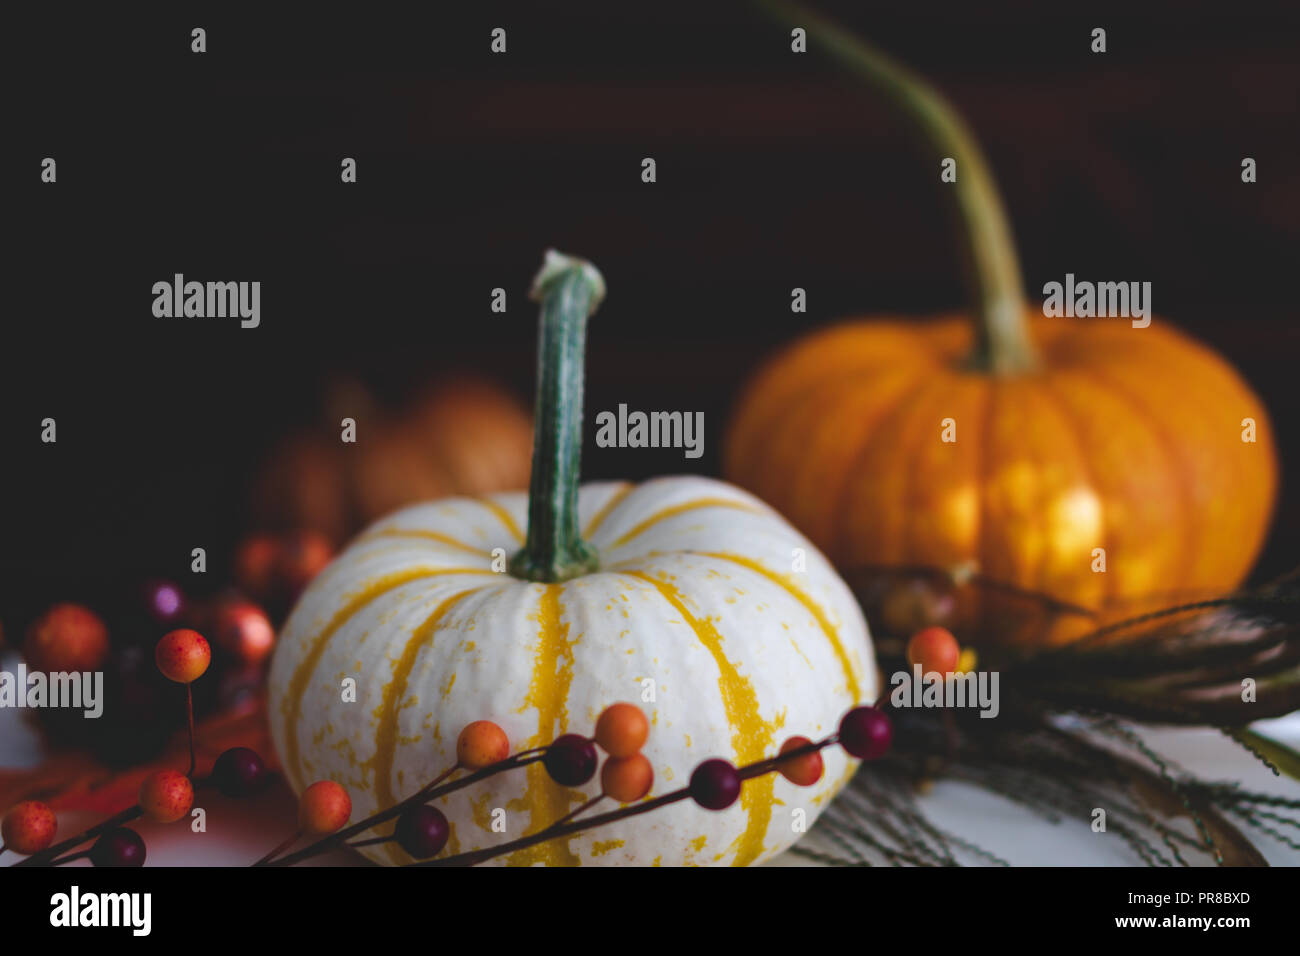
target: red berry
118 847
67 637
622 730
239 772
571 760
243 629
627 779
302 556
166 796
324 807
935 649
255 564
422 831
183 655
715 784
481 744
801 771
866 733
28 827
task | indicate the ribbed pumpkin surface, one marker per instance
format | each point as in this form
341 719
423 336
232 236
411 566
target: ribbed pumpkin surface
695 592
1127 439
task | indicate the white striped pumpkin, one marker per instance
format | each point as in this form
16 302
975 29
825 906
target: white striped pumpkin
694 592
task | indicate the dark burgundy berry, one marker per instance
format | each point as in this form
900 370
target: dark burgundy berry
715 785
571 760
422 831
866 733
118 847
239 772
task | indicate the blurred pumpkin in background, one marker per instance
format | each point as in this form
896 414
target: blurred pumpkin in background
1098 463
465 436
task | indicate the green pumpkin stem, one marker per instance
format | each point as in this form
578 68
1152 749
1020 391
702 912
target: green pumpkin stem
570 290
1002 342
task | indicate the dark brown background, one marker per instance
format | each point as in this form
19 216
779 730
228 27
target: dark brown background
775 170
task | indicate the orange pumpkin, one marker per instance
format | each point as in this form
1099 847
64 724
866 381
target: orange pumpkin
1122 439
464 437
1070 435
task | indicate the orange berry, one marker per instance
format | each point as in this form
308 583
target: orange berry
255 564
28 827
627 779
302 555
622 730
183 655
166 796
968 660
243 629
67 637
935 649
324 808
801 771
481 744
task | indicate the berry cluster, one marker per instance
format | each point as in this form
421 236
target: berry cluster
482 750
181 656
422 830
117 638
571 760
70 637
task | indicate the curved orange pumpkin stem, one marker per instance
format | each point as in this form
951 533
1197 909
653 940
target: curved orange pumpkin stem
1002 343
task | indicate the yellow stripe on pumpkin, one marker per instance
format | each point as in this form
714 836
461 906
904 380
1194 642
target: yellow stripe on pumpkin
390 708
292 704
614 501
429 535
545 800
752 737
504 517
682 508
785 582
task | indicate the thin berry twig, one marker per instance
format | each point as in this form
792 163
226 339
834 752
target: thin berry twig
558 830
580 809
49 854
424 795
189 713
562 828
71 857
280 848
373 841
